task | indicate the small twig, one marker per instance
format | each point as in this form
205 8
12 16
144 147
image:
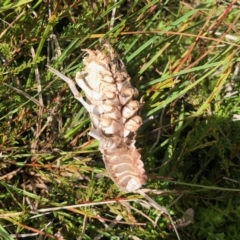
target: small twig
84 205
229 86
12 23
84 225
53 44
40 110
10 175
24 94
230 179
134 237
56 45
236 117
227 36
113 16
24 235
157 192
49 120
37 77
159 130
100 219
49 42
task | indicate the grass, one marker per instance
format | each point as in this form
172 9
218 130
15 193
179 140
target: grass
183 56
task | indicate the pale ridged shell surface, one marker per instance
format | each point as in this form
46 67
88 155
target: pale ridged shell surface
114 115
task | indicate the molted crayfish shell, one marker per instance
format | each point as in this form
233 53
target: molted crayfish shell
113 113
